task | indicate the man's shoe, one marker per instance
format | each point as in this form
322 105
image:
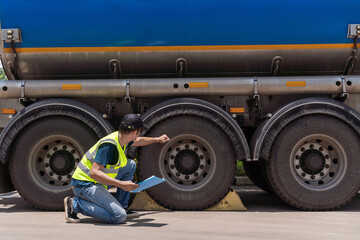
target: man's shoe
132 214
70 215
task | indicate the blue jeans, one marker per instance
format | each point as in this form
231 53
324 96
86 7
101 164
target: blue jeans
97 202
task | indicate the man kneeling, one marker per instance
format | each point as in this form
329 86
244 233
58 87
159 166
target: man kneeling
106 165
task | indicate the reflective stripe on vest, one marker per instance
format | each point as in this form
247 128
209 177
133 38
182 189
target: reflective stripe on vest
83 169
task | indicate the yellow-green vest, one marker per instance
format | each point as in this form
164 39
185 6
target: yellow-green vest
82 171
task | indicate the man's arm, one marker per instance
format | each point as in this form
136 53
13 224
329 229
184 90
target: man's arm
143 141
101 177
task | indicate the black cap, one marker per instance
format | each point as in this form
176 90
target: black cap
132 122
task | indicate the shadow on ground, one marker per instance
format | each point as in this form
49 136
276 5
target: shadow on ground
254 199
257 200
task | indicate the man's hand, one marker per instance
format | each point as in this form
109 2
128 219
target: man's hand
128 185
163 139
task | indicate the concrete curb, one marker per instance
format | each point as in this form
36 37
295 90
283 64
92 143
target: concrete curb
243 180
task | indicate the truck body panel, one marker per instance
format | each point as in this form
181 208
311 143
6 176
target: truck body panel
275 84
230 38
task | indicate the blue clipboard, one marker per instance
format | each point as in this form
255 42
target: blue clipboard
147 183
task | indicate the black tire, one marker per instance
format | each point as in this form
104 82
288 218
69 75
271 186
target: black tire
315 163
46 150
197 163
256 173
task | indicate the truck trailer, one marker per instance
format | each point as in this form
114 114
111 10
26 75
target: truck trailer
274 84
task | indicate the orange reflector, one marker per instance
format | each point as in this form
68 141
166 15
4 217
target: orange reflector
8 111
296 83
237 110
71 87
198 84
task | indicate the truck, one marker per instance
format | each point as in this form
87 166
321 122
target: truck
274 84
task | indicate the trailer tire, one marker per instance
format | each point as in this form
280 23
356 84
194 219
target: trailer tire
44 158
314 163
257 174
198 163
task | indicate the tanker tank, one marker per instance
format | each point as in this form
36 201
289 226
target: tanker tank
274 84
155 39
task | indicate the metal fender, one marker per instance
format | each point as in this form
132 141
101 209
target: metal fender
206 110
269 130
46 108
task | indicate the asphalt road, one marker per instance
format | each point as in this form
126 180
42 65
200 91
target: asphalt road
266 218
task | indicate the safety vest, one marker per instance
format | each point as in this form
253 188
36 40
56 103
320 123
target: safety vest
82 171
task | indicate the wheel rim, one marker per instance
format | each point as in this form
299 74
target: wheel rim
318 162
188 162
53 161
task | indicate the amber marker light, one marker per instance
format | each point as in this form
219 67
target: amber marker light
296 83
237 110
198 84
8 111
71 87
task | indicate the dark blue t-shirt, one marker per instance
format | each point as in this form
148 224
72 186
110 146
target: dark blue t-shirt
107 154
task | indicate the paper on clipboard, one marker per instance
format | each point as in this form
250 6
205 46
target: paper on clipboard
147 183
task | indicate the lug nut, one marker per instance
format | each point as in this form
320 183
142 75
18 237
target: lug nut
202 157
187 177
47 165
186 146
64 147
196 174
172 156
178 149
322 174
55 149
312 177
303 174
172 166
177 174
68 176
297 166
327 166
48 155
59 178
51 173
201 166
196 149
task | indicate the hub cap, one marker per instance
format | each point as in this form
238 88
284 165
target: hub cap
188 162
54 161
318 162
